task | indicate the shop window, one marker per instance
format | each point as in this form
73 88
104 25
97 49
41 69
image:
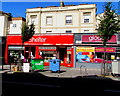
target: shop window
16 48
95 54
47 55
15 56
68 57
85 54
41 47
68 48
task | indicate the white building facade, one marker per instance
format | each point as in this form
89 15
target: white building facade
4 23
10 25
63 19
16 25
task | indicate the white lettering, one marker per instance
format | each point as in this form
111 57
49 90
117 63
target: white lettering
94 38
39 39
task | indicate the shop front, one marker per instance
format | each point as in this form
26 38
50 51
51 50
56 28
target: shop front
40 46
90 50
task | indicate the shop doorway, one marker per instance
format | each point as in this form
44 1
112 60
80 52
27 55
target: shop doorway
62 53
29 53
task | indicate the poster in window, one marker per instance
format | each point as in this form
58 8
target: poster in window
85 54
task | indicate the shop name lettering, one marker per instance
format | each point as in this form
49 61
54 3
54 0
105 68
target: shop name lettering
94 38
39 39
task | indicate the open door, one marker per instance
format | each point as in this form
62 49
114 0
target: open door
62 54
29 53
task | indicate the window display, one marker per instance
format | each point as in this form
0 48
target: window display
47 55
85 54
95 54
15 54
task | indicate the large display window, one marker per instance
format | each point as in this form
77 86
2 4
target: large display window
47 53
85 54
14 54
55 52
95 54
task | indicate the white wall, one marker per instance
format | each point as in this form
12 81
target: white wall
75 30
59 15
91 30
59 25
59 19
17 29
2 25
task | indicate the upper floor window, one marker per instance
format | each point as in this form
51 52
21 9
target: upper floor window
86 31
68 19
14 25
87 16
86 20
48 31
33 19
49 20
68 31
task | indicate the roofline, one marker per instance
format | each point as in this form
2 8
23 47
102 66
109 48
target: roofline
1 12
61 6
19 18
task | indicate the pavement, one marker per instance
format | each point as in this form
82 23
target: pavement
65 72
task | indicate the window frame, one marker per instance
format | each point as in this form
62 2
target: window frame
48 31
49 24
68 31
33 19
68 22
14 25
86 19
86 30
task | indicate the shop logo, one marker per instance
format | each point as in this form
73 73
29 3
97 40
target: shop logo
94 38
39 39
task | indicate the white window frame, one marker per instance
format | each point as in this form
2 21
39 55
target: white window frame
48 31
68 19
33 19
49 20
14 25
68 31
86 31
86 20
87 16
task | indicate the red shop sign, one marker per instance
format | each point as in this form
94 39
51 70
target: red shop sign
42 40
101 49
96 38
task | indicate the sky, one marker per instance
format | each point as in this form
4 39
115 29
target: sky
18 9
